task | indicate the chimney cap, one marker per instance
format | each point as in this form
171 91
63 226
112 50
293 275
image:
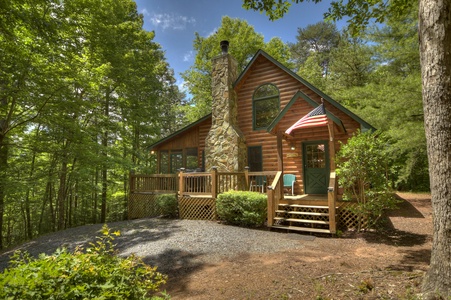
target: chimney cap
224 46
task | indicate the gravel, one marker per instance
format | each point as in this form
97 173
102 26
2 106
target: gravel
174 246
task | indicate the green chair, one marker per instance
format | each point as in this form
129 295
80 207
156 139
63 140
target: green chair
288 182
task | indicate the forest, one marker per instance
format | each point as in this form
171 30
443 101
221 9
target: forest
84 89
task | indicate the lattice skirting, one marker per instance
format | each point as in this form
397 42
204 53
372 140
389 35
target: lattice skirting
142 206
194 208
347 219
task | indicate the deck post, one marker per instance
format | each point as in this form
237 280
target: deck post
331 199
181 182
246 177
214 182
270 208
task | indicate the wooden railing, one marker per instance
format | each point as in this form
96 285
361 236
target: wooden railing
332 201
155 183
275 194
195 183
200 183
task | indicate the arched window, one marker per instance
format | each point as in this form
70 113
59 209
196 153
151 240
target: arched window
265 105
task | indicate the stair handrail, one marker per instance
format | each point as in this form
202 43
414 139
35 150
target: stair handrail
274 194
332 200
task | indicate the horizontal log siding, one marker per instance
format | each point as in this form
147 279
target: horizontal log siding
263 72
191 138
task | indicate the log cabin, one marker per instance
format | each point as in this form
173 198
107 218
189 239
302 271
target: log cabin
257 134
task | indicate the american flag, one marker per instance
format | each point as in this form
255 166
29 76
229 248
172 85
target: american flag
316 117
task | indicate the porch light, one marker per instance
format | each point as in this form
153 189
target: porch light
293 147
152 152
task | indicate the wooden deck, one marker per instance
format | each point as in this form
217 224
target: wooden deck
197 192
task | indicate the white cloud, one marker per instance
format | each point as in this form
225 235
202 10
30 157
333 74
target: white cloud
188 56
144 12
171 21
214 31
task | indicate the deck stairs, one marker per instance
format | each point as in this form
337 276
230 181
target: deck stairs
300 217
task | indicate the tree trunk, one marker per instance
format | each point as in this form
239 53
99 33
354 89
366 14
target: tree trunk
435 45
105 158
62 195
3 167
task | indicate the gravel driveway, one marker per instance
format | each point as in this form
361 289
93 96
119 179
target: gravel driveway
173 245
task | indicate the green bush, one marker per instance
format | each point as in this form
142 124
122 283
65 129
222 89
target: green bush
97 273
242 208
363 169
168 205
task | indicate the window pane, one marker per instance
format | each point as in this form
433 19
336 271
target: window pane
315 156
266 90
265 105
176 162
191 158
265 111
164 162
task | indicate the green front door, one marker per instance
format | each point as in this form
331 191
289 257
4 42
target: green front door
316 167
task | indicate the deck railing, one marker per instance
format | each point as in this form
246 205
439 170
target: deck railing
200 183
332 201
155 183
275 194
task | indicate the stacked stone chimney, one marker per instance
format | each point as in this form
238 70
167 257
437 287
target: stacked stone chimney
225 144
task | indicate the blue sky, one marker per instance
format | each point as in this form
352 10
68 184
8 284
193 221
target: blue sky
176 21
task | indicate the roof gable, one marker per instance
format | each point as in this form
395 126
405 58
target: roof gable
300 94
363 124
179 132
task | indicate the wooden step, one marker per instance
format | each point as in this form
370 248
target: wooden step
304 206
302 220
308 213
295 228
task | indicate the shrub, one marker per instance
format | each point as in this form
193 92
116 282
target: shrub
96 273
363 167
242 208
168 205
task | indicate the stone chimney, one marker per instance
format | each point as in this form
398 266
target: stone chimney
225 145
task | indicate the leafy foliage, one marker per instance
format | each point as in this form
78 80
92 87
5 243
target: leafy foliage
244 43
83 90
242 208
168 205
317 39
97 273
363 167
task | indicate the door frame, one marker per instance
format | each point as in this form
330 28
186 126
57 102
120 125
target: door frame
304 162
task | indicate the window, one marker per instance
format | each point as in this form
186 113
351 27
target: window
191 158
265 105
164 162
176 161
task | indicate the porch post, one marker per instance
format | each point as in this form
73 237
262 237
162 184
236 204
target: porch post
330 126
333 183
280 160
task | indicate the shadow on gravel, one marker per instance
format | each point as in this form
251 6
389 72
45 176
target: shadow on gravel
142 231
405 209
177 265
135 232
412 259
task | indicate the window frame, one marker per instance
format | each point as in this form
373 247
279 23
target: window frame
255 100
